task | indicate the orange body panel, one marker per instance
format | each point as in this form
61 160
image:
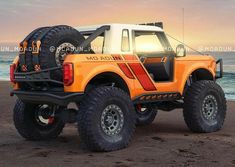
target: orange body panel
87 66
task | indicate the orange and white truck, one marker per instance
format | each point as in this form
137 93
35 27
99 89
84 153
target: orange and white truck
116 76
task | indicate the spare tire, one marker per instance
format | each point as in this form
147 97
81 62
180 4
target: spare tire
56 43
28 53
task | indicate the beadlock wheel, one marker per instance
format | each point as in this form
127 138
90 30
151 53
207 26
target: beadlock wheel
112 120
209 108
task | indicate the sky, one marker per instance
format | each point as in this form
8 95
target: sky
207 22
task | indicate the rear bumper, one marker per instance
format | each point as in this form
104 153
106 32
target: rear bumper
59 98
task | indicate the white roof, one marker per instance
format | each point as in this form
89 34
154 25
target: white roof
121 26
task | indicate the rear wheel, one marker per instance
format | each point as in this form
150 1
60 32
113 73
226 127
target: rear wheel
204 107
37 122
145 114
107 119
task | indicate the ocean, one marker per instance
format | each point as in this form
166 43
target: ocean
227 82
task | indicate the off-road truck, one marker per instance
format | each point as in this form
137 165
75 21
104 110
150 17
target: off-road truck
108 79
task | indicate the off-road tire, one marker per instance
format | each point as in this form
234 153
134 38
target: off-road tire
92 135
56 36
27 127
146 117
28 53
195 99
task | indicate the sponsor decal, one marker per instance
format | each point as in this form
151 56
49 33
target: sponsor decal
20 77
100 58
142 76
131 70
114 57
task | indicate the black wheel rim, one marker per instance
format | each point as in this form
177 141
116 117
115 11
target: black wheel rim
142 110
112 120
210 108
44 115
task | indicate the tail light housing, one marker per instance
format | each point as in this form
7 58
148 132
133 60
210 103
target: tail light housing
68 74
12 72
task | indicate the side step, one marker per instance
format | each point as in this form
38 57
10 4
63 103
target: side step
151 98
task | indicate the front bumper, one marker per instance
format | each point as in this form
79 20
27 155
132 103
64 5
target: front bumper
40 97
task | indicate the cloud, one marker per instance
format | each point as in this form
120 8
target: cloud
207 18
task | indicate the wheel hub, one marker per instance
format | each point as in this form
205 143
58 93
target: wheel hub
62 51
112 120
44 115
210 108
109 119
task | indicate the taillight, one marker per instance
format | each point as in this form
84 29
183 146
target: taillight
68 74
12 71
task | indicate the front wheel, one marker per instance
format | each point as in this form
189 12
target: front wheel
37 122
107 119
204 107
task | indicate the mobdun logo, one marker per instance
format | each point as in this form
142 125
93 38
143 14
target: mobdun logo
216 49
72 49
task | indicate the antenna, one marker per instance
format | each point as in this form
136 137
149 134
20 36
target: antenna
185 44
183 24
183 36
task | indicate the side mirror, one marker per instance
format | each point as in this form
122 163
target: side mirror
180 51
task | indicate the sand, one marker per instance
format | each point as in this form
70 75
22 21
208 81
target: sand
167 142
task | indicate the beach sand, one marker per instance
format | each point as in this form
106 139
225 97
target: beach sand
167 142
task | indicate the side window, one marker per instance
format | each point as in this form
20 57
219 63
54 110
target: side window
125 41
97 45
148 44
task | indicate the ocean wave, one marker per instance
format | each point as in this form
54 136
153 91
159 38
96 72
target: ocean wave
229 74
6 61
229 65
4 79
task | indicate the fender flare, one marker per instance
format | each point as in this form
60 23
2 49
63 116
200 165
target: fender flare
193 69
99 71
